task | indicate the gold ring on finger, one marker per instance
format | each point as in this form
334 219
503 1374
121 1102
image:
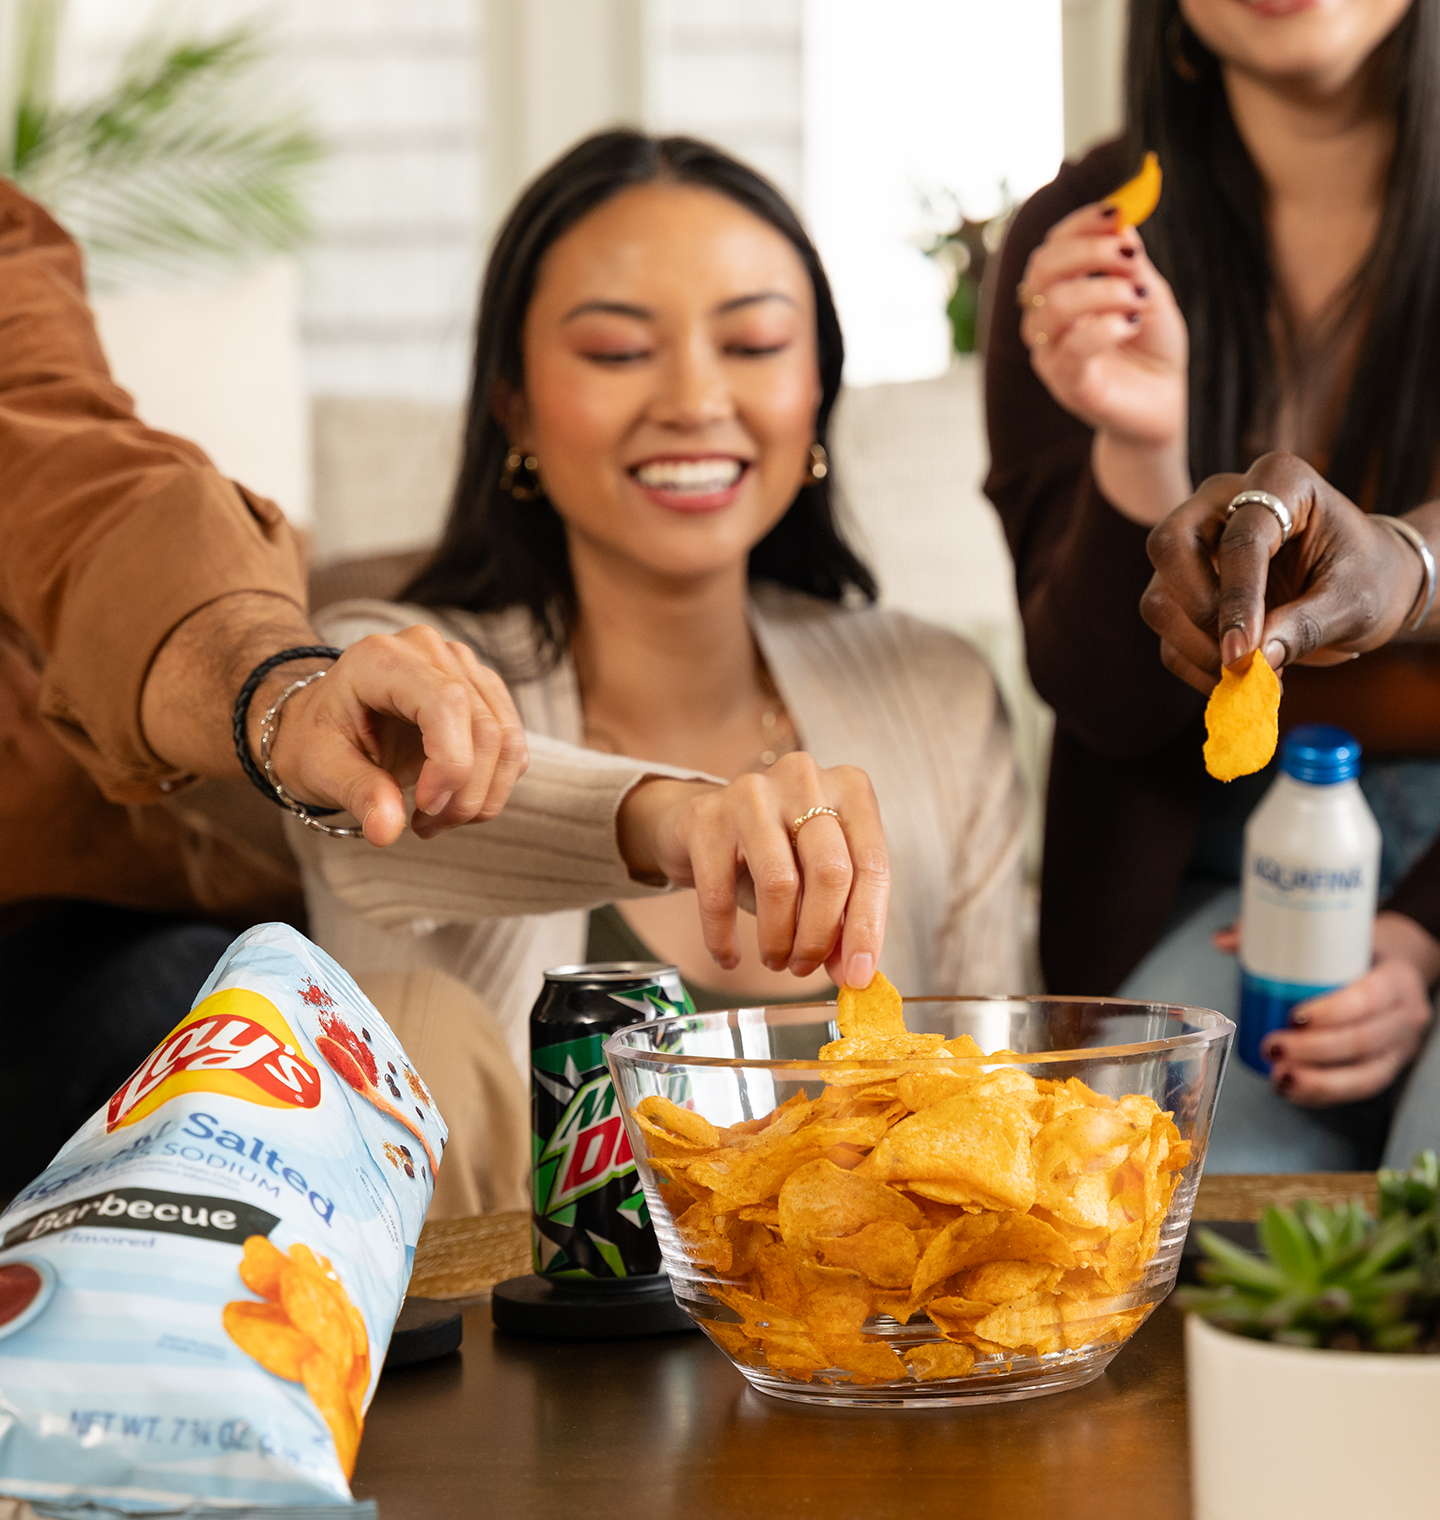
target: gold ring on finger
805 818
1022 295
1036 302
1040 339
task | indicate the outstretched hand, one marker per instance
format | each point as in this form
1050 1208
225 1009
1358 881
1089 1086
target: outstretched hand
820 900
1342 584
408 709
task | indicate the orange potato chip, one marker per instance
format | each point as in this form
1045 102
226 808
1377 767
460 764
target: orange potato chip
922 1089
732 1339
974 1148
836 1303
762 1213
884 1253
357 1385
872 1027
660 1117
264 1332
939 1359
956 1316
822 1199
1033 1320
867 1361
319 1313
1242 719
260 1265
325 1384
876 1009
979 1238
313 1335
1137 197
997 1282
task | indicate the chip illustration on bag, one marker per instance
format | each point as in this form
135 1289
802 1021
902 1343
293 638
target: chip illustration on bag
196 1294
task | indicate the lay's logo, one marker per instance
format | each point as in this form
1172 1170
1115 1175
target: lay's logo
235 1043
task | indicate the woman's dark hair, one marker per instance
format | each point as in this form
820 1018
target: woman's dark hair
497 552
1208 238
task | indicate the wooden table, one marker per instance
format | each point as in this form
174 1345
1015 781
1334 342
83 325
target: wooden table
533 1430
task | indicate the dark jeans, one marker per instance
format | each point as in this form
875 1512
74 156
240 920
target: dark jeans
86 992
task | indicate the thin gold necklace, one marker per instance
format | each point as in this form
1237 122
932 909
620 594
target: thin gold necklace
777 731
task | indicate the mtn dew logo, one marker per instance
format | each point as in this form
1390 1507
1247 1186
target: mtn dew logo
588 1147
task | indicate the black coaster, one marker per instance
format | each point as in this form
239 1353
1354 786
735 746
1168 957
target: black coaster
427 1328
572 1311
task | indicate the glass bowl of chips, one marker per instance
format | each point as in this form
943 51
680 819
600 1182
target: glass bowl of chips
940 1201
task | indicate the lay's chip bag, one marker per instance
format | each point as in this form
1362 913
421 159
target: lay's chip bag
196 1295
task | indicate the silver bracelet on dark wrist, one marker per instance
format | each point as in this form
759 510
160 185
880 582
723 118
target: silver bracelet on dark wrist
1413 536
269 728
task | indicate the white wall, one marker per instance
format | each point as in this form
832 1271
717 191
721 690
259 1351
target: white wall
730 71
1094 32
917 97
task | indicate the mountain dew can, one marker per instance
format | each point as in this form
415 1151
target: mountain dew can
589 1217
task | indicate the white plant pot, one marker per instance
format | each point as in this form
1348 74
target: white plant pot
1276 1431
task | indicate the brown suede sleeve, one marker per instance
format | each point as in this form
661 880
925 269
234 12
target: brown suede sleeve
1080 565
111 534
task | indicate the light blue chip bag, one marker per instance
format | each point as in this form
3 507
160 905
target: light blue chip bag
197 1293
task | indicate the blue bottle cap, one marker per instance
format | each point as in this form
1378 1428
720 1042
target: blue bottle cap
1320 754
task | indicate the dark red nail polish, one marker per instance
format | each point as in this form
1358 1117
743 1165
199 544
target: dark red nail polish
1127 253
1141 291
1284 1085
1133 318
1109 211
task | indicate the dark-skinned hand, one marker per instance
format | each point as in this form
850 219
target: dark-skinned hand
1342 584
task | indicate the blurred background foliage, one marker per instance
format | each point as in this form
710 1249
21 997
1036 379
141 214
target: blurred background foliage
963 251
188 164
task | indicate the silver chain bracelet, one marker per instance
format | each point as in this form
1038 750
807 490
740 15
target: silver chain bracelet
269 728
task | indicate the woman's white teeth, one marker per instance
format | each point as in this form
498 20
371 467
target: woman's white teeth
694 476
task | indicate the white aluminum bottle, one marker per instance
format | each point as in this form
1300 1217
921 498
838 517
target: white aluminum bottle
1307 896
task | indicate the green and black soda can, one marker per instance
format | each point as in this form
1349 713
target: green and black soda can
589 1220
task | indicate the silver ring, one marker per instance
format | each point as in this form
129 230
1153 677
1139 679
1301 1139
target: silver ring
1271 504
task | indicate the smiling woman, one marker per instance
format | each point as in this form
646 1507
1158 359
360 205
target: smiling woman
643 542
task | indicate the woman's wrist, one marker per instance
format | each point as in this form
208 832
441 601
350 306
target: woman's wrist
1398 936
1142 481
1426 521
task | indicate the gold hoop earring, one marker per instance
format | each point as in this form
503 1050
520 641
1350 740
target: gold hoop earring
521 476
1175 48
819 465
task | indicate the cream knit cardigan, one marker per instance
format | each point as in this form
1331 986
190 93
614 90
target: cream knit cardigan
494 904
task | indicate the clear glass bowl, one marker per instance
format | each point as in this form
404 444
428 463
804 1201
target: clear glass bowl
741 1065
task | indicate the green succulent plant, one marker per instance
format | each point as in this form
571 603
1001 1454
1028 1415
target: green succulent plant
1334 1277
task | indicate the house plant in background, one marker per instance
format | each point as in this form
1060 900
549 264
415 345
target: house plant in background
962 249
1314 1367
186 179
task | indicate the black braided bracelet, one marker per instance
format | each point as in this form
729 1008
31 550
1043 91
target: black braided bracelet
242 718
